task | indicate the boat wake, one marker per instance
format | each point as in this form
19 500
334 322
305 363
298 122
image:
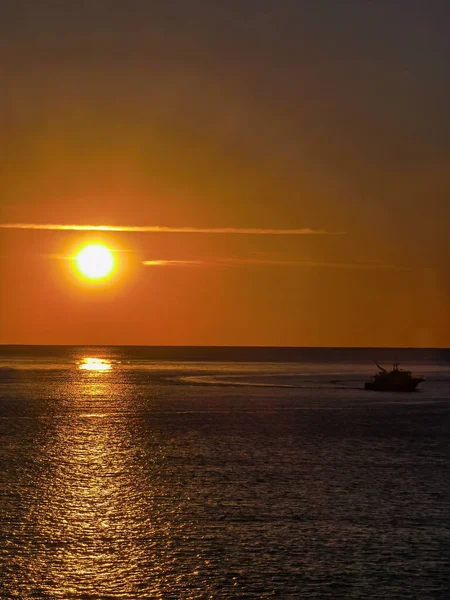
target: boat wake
209 380
216 381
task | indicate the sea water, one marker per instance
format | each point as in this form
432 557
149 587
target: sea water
222 473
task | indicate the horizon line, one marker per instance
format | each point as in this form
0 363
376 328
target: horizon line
311 347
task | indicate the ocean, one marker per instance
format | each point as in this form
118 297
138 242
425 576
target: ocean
213 473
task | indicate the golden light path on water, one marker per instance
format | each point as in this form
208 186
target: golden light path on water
99 505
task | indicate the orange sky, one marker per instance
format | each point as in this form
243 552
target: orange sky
326 119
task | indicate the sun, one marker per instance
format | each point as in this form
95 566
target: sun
95 261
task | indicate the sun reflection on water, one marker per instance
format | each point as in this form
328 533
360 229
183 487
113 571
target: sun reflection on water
92 497
95 364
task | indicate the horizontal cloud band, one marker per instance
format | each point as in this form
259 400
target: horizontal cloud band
227 262
162 229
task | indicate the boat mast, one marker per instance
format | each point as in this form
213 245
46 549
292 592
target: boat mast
382 369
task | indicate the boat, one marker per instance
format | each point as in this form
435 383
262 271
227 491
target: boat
397 380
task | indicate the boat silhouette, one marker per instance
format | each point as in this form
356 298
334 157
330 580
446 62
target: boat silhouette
397 380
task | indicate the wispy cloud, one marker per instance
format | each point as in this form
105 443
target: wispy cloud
242 262
177 263
163 229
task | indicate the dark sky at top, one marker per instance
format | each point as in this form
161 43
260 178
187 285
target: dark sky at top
253 113
349 87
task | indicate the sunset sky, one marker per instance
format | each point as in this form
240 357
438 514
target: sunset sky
273 172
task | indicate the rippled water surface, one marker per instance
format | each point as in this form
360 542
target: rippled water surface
126 476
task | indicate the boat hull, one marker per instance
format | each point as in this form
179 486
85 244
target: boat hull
385 386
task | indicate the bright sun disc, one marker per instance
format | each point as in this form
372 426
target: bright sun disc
95 261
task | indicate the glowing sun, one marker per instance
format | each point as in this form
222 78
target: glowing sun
95 261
